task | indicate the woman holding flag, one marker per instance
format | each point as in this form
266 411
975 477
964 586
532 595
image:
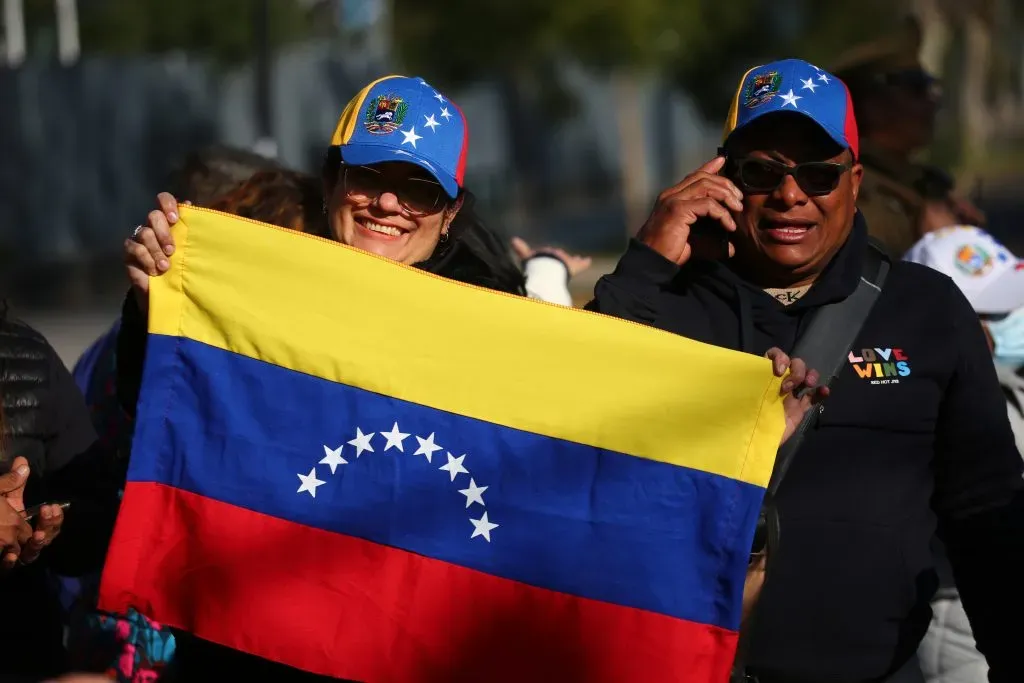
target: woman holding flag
393 180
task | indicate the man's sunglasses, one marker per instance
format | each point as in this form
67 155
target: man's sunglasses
763 176
417 196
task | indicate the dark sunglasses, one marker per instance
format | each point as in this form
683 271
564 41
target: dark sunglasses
417 196
763 176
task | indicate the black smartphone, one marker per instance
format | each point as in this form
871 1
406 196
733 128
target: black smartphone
33 512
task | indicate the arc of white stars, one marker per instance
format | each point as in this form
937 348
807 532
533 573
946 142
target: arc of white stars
790 98
427 447
483 527
310 483
431 123
455 466
395 439
410 136
809 84
474 494
332 457
362 442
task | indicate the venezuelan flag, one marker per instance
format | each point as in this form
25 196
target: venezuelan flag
362 470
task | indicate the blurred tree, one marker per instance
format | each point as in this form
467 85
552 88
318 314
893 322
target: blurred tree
221 29
522 43
710 68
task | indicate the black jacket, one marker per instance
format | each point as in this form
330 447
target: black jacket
46 421
914 436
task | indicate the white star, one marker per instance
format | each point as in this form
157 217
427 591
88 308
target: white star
310 482
427 446
454 466
444 113
438 97
808 84
474 494
332 457
411 137
362 442
395 438
483 527
790 98
431 123
823 78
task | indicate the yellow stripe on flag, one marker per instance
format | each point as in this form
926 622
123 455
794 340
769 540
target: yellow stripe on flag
347 316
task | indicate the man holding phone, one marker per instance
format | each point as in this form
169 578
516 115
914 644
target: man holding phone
742 253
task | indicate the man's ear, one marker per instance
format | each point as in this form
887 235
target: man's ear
856 176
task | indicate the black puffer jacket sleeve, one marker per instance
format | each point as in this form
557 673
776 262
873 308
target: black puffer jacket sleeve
632 290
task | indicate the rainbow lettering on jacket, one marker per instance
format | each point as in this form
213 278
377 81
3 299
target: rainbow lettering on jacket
880 366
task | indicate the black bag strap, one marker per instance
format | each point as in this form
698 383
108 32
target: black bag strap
826 343
824 346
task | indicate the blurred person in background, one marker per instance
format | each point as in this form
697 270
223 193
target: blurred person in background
896 102
992 279
53 460
546 267
739 254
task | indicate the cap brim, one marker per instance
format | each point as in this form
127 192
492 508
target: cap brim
365 155
1004 294
836 136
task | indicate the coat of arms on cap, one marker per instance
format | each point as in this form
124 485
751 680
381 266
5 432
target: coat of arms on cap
384 114
973 260
761 88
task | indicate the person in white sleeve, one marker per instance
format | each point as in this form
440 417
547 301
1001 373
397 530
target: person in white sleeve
548 271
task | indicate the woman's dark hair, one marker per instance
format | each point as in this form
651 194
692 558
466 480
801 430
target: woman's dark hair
285 198
210 172
473 253
476 254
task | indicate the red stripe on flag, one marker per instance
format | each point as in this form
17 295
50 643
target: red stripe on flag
345 607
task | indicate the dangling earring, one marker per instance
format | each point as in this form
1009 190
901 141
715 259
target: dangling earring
444 236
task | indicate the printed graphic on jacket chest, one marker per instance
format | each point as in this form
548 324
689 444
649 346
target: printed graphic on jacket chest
880 365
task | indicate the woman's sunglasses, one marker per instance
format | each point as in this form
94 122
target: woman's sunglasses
417 196
763 176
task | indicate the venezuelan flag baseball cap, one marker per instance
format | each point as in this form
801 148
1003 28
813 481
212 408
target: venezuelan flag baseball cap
397 118
793 85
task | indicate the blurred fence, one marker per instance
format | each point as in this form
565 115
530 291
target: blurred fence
84 148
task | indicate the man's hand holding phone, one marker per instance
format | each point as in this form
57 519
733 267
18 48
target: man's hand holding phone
686 216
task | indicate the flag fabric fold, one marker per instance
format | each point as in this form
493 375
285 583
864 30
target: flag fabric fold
359 469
